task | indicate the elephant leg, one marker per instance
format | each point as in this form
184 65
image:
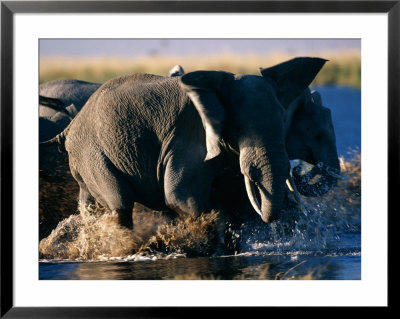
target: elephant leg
124 217
117 195
187 187
86 200
107 185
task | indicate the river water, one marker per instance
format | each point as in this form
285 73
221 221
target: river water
325 244
329 264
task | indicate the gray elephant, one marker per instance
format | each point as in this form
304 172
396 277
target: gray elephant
162 141
59 102
310 137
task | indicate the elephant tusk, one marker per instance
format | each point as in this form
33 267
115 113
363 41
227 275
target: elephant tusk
292 187
289 185
251 194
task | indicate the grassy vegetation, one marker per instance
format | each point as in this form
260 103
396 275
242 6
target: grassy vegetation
343 68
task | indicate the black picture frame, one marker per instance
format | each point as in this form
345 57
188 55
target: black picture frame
9 8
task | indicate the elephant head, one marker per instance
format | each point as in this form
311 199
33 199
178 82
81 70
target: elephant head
311 137
245 115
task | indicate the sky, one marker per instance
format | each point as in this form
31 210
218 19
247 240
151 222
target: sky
138 47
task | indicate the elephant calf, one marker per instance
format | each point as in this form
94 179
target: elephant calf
162 141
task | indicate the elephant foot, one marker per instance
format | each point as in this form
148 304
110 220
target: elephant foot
124 217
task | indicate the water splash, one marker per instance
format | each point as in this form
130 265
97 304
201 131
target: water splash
95 235
88 235
192 236
308 233
336 214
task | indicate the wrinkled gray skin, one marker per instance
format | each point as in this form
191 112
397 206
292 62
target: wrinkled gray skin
59 103
61 100
161 141
71 95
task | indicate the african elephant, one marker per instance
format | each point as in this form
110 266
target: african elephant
310 137
161 141
59 102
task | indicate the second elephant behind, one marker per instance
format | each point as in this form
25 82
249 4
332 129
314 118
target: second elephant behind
310 137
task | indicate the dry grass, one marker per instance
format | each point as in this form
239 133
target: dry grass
343 68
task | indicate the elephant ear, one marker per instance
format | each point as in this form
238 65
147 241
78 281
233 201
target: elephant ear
204 88
293 77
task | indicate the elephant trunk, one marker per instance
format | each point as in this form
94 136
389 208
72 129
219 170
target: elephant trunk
265 173
320 180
